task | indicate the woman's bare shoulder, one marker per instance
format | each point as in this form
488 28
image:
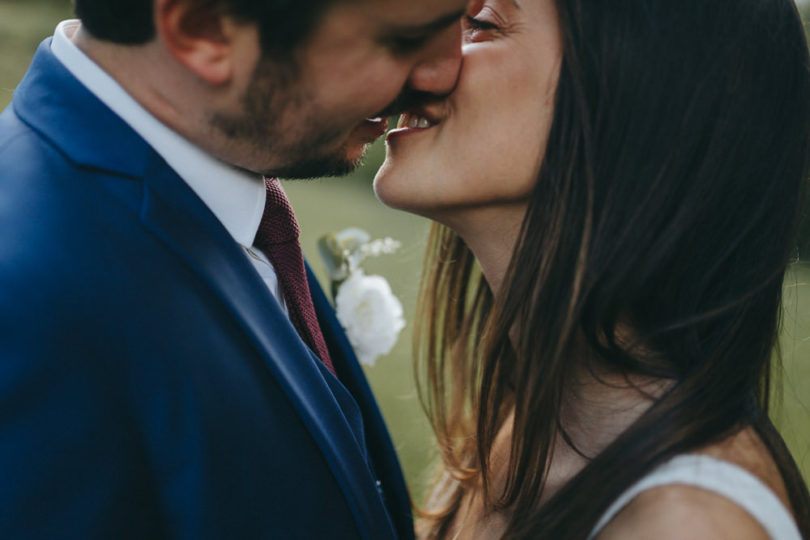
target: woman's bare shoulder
746 450
680 512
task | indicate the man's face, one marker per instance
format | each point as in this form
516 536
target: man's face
365 59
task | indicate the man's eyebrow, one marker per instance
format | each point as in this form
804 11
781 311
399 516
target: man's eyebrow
429 27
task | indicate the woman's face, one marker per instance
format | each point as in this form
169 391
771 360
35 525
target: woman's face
482 146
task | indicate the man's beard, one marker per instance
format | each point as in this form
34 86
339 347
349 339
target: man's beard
306 148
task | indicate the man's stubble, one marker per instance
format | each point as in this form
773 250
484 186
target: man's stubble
281 123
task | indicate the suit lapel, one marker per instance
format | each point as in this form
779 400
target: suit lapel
379 441
64 112
220 262
49 99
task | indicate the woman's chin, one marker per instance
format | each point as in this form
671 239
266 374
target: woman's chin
400 193
390 185
413 189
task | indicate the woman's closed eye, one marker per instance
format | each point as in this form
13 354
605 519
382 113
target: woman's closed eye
478 25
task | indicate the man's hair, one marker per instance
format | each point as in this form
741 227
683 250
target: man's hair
283 24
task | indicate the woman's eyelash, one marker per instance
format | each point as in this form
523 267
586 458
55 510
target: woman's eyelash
478 24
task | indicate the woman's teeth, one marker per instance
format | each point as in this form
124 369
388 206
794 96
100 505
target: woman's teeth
417 122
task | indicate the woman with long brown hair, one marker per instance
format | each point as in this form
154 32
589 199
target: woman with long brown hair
616 187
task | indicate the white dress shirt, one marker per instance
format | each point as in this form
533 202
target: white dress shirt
234 196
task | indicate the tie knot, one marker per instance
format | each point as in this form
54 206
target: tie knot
278 223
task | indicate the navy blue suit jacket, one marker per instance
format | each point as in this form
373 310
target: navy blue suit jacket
150 387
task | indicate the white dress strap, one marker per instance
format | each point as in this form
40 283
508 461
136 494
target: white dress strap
721 477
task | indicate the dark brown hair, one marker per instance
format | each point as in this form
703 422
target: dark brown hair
668 201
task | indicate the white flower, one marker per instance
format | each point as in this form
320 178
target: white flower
370 314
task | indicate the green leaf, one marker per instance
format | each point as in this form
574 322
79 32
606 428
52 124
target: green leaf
333 257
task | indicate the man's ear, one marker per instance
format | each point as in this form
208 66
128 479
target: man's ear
200 38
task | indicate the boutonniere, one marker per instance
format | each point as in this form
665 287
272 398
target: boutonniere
367 309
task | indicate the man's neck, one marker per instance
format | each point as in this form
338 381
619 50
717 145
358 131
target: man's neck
142 71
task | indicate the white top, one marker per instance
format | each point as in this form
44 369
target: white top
233 195
727 480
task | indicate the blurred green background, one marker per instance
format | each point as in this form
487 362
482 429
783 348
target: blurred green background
330 205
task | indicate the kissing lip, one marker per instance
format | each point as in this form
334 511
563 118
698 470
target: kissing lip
417 119
374 127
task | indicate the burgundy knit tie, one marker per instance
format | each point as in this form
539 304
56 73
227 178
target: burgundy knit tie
277 238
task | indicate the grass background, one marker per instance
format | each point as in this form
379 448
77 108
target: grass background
333 204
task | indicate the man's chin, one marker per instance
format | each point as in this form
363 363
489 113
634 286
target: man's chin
326 166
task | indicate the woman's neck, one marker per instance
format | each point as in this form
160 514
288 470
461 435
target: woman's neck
598 407
491 235
596 410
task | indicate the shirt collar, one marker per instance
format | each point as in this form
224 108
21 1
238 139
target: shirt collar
234 196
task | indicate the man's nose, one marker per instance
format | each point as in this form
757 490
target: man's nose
437 73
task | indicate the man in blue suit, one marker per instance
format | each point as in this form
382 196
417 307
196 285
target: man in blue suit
152 384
